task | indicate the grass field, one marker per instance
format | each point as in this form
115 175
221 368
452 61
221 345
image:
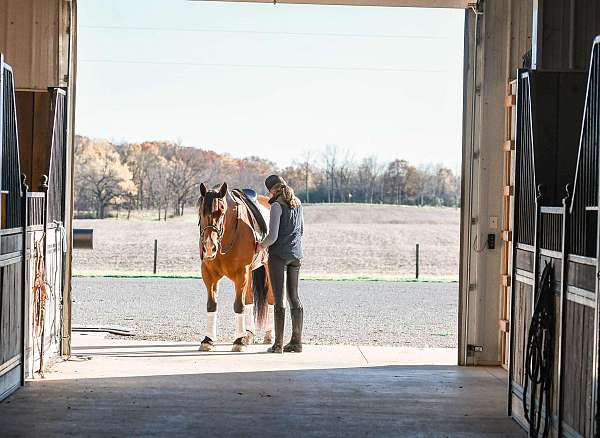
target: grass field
345 241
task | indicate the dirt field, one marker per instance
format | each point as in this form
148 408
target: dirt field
350 240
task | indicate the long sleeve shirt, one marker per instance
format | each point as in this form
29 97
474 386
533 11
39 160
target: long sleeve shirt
275 217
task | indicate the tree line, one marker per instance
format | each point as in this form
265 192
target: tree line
165 176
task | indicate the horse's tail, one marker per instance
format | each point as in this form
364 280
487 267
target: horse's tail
260 289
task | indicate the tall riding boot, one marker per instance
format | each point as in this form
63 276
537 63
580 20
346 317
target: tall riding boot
295 344
279 325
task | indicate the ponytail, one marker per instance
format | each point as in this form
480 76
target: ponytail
287 194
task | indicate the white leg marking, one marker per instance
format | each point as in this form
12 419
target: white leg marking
211 330
240 326
249 317
270 318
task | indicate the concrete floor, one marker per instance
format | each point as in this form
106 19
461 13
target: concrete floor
131 388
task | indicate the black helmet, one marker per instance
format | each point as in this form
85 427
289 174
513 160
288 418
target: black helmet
272 180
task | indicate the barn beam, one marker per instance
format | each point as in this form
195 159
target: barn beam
450 4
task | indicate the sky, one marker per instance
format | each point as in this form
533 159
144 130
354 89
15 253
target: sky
273 80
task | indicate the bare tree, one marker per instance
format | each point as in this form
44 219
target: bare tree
368 172
186 170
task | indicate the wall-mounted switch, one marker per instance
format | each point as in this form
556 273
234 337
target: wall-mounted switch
493 222
491 241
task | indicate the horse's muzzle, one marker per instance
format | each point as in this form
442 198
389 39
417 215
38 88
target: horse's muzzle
211 256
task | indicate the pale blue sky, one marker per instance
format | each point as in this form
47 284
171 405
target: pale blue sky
273 80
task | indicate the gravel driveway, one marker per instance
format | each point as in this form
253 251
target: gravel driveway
336 312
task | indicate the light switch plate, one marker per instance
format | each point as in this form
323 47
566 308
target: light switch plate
493 223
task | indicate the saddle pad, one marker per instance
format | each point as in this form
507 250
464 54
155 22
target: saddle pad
259 213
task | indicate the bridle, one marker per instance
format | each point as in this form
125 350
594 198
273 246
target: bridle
220 230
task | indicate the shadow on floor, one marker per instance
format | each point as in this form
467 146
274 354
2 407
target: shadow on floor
371 401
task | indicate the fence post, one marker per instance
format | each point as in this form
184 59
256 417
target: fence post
417 261
155 254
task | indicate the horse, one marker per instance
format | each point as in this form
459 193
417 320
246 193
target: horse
228 248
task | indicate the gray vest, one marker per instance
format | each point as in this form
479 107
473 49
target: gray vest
289 239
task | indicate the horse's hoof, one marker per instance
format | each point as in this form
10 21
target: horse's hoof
207 344
268 339
239 345
249 339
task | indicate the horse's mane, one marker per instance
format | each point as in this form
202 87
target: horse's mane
211 195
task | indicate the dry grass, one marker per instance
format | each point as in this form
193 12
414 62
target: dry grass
347 240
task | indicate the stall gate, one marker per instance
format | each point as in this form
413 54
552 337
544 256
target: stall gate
30 316
12 291
556 220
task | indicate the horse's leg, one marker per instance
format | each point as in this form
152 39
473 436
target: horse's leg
211 282
241 281
268 339
249 312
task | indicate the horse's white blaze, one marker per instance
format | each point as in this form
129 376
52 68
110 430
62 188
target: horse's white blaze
249 317
270 318
211 327
240 326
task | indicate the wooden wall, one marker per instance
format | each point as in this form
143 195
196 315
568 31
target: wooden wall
10 326
565 35
35 134
34 40
577 373
519 40
10 310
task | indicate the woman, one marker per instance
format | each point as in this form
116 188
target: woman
284 241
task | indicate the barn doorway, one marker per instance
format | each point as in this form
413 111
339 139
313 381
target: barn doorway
382 189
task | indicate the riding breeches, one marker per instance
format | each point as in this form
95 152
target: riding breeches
279 269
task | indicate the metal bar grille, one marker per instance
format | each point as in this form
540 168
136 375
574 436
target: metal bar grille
35 208
584 205
11 173
56 172
526 198
551 227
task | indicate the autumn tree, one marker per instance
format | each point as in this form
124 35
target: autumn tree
102 178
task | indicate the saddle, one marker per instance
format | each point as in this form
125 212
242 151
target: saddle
259 215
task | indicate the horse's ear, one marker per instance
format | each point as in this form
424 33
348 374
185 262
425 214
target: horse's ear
203 190
223 190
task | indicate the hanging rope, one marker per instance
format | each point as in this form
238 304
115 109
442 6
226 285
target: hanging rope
539 358
39 300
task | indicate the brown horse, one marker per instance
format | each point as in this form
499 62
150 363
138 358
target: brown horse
228 248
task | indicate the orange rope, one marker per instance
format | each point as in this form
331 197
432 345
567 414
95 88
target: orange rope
39 300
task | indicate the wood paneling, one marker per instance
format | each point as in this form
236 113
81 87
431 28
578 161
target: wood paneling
577 374
32 35
582 276
520 34
35 134
10 327
524 260
520 326
564 43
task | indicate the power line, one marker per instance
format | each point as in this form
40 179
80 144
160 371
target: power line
263 32
263 66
